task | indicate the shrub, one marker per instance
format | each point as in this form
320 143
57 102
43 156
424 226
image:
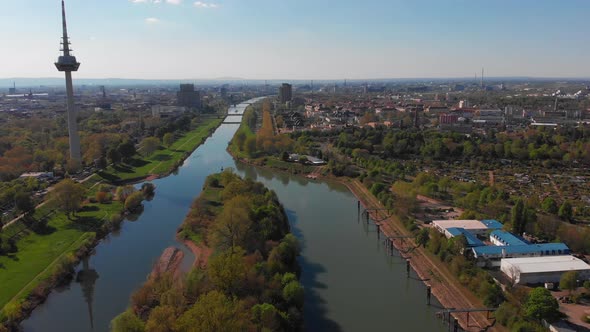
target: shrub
133 201
103 197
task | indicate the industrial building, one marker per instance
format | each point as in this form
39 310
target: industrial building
503 238
472 240
475 227
537 270
490 256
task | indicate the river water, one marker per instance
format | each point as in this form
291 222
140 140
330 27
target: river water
351 283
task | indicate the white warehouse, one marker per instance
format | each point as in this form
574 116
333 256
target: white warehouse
537 270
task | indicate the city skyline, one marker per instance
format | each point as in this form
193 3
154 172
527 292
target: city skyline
176 39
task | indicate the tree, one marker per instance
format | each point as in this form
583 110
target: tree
250 146
422 237
126 150
227 270
566 211
114 156
569 281
24 203
240 139
122 193
148 189
133 201
168 139
67 196
161 319
215 311
540 304
549 205
127 322
149 145
293 293
517 217
232 225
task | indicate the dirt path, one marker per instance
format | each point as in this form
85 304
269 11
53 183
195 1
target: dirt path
201 253
442 282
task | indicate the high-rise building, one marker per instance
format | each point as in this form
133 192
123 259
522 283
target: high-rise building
67 63
188 96
285 93
12 90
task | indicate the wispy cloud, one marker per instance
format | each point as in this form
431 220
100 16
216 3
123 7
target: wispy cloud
200 4
152 20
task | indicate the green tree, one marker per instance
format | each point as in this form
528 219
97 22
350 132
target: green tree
267 317
67 196
517 217
566 211
215 312
114 156
232 225
168 139
293 293
133 201
549 205
123 192
149 145
569 281
250 146
227 270
126 150
24 203
127 322
422 237
162 319
240 139
540 304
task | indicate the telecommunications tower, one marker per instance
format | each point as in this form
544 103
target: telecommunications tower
67 63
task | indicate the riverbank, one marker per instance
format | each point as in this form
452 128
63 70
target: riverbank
253 271
201 253
46 258
443 284
164 161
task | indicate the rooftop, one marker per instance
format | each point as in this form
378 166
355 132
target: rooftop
547 264
508 238
472 240
542 248
468 224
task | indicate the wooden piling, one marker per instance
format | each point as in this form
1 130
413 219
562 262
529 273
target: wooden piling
428 294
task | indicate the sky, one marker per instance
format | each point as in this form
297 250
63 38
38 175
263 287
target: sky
298 39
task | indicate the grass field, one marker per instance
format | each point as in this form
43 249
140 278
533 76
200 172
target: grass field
41 251
38 251
162 161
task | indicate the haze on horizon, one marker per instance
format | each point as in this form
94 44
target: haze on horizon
304 39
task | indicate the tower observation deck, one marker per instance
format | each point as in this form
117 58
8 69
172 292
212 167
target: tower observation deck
68 63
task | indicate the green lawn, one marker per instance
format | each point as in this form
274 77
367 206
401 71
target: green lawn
162 161
38 251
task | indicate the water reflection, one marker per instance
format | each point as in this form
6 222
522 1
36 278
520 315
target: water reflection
87 277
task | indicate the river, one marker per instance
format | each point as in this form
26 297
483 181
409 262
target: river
351 284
